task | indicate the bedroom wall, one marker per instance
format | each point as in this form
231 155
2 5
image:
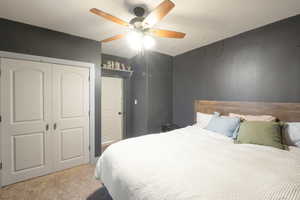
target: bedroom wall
259 65
139 122
27 39
151 85
160 90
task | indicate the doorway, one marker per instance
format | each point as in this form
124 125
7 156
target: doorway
111 110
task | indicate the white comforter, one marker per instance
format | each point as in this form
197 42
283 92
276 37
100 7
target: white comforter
196 164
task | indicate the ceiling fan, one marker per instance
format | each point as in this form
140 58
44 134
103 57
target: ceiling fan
143 25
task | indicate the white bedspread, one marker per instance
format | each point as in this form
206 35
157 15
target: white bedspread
196 164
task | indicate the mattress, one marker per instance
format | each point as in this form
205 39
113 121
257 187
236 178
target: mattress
196 164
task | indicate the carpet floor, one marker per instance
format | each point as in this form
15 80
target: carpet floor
77 183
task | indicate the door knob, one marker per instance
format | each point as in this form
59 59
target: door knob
47 127
120 113
54 126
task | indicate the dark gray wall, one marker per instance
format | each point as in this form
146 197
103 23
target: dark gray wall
152 87
139 92
27 39
259 65
160 90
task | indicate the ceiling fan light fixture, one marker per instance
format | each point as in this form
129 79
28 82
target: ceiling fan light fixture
138 40
135 39
148 42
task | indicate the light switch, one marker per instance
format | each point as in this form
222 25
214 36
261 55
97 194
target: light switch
135 101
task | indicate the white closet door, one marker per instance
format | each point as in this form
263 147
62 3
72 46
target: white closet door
70 116
111 109
26 107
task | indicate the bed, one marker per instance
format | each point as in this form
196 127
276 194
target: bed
194 164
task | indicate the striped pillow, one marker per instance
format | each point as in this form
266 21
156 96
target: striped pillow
251 118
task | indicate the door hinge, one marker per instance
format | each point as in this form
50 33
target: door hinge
89 148
0 118
89 78
0 165
89 113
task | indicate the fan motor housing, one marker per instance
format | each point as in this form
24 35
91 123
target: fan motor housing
136 20
139 11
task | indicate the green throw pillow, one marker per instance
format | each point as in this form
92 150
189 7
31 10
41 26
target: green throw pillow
261 133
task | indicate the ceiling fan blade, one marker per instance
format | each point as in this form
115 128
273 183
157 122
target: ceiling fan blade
116 37
158 13
166 33
108 16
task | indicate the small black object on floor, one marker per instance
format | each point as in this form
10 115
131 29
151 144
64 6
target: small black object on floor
169 127
100 194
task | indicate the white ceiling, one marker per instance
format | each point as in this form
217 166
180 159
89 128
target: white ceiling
204 21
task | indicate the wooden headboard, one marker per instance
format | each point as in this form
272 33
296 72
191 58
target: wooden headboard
288 112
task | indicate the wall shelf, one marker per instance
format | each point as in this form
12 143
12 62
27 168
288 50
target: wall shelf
116 73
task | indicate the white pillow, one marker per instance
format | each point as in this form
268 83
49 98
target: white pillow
203 119
291 133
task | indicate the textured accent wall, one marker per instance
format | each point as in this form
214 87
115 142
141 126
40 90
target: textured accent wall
259 65
32 40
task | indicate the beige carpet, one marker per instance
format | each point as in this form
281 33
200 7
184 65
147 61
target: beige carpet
72 184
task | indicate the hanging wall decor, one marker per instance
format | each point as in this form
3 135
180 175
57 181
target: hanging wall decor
115 65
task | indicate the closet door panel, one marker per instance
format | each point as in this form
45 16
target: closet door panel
70 115
26 111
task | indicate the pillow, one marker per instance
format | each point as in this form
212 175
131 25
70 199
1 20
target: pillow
203 118
291 133
264 118
261 133
224 125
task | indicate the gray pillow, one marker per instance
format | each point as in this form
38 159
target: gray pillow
261 133
224 125
291 133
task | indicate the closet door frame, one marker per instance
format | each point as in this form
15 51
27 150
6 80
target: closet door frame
90 66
